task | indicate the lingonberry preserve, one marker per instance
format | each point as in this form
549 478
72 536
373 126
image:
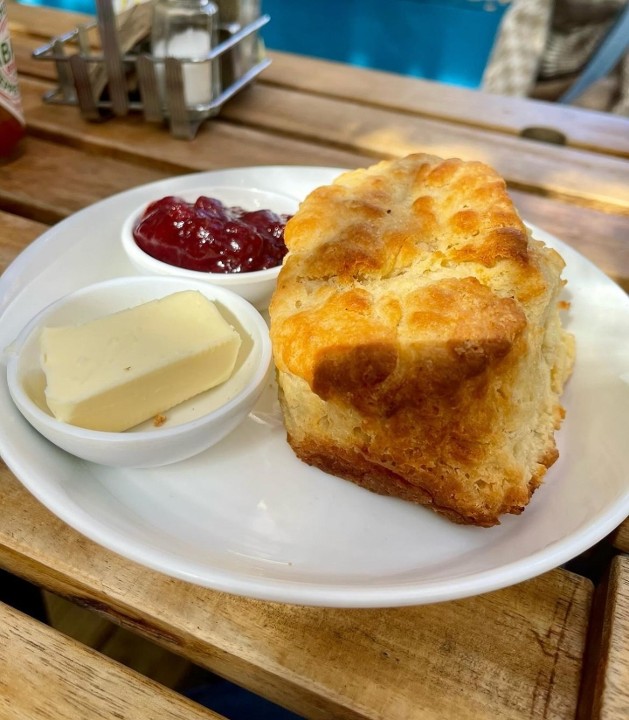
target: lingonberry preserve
209 236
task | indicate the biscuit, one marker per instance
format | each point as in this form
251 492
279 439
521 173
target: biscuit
417 338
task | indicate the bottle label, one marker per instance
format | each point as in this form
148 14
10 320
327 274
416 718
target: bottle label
9 91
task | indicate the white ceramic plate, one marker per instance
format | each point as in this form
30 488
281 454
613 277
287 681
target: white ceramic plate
247 517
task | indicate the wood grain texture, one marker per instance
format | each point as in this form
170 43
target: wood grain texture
597 235
17 233
583 177
280 126
620 537
45 675
48 182
30 32
608 690
42 22
510 115
601 237
217 145
517 652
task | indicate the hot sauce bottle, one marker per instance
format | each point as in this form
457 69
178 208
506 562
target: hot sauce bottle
11 116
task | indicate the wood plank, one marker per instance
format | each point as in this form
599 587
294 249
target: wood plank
580 176
613 701
32 28
23 47
218 144
33 186
584 129
42 22
601 237
46 675
606 691
17 232
516 653
620 537
598 235
24 44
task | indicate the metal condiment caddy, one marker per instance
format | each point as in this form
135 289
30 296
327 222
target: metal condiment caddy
122 75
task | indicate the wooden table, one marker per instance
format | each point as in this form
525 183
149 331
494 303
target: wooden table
553 647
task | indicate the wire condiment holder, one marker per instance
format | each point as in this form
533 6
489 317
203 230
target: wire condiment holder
122 75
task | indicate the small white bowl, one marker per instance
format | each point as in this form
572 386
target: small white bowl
192 426
256 286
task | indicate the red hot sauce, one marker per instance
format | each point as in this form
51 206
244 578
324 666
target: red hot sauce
11 116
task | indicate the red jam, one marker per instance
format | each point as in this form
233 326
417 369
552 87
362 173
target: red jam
210 237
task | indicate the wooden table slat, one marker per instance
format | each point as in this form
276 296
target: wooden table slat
621 535
45 675
18 232
606 694
42 22
218 144
33 185
582 128
583 177
599 236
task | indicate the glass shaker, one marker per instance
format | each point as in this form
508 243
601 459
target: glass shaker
236 14
188 30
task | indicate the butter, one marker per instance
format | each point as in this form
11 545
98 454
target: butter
119 370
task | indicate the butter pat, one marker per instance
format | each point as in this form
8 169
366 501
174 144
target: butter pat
119 370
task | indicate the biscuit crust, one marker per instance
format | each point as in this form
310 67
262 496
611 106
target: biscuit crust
417 340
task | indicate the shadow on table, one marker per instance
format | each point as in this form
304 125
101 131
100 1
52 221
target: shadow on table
234 702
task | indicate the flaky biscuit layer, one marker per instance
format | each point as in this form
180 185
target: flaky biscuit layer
416 334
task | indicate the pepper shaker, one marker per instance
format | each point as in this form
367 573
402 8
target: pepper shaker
236 14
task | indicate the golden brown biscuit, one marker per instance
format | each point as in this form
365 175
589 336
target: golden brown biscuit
417 338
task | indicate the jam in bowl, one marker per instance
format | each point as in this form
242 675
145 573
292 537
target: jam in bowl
209 236
228 236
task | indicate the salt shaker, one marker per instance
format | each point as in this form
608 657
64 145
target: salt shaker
188 30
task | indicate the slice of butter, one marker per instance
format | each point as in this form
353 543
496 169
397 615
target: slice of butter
116 371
